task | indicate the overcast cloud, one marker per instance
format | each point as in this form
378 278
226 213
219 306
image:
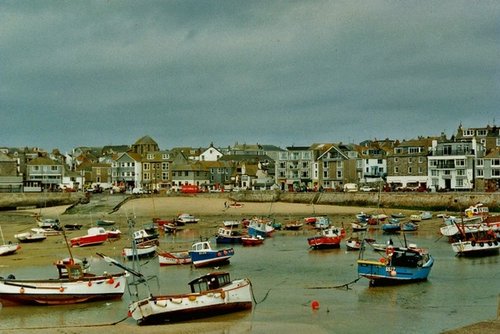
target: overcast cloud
188 73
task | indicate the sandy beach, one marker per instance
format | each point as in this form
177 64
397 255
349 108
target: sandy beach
211 211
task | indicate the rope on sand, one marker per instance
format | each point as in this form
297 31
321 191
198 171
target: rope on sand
73 326
346 285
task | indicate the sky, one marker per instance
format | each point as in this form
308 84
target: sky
285 73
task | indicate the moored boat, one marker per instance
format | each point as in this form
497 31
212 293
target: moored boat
72 286
203 255
94 236
31 236
327 238
260 227
169 258
399 265
211 294
252 240
227 236
141 250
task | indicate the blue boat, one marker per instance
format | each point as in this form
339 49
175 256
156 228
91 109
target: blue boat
399 265
391 227
202 255
228 236
409 227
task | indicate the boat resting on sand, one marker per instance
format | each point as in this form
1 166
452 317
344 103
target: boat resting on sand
400 265
166 258
72 286
211 294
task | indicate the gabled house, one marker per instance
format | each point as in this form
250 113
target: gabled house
188 172
46 172
10 178
126 170
451 164
407 164
210 154
335 165
157 171
488 171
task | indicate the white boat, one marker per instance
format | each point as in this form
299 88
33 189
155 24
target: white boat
203 255
146 249
476 247
169 258
211 294
8 248
260 227
72 286
231 223
31 236
186 218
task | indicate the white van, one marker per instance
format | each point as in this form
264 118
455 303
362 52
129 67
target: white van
350 187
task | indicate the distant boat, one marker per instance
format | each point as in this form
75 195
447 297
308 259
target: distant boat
105 222
203 255
8 248
260 227
391 227
227 236
32 236
327 238
186 218
142 250
169 258
252 240
94 236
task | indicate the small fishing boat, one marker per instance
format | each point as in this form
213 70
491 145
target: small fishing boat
105 222
48 223
169 258
211 294
94 236
416 218
409 227
31 236
391 227
322 222
480 243
252 240
399 265
327 238
73 226
260 227
203 255
186 218
231 223
72 286
227 236
141 250
357 227
294 226
353 243
8 248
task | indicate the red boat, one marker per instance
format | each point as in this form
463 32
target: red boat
252 240
328 238
95 236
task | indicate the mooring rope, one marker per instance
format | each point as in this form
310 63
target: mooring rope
346 285
73 326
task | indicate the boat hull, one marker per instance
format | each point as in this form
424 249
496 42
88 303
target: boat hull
480 248
380 273
174 258
210 257
60 291
322 242
234 297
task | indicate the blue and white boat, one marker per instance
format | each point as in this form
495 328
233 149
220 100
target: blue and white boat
391 227
399 265
202 255
260 227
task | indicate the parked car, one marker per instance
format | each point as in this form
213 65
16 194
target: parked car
367 188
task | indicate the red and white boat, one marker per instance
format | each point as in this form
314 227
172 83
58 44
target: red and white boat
72 286
166 258
328 238
252 240
95 236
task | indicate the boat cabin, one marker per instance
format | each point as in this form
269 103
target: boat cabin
201 246
210 281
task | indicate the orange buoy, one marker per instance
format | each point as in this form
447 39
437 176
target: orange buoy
315 305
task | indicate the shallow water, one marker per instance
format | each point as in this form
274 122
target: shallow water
287 276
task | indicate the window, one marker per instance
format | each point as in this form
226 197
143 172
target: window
468 133
410 170
460 162
495 162
479 172
460 183
482 132
150 156
325 173
339 174
460 172
396 170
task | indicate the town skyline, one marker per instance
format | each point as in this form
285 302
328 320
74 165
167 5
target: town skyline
290 73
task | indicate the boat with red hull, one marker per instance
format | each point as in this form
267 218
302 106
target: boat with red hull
328 238
94 236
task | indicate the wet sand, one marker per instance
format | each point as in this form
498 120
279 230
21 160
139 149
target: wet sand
211 211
